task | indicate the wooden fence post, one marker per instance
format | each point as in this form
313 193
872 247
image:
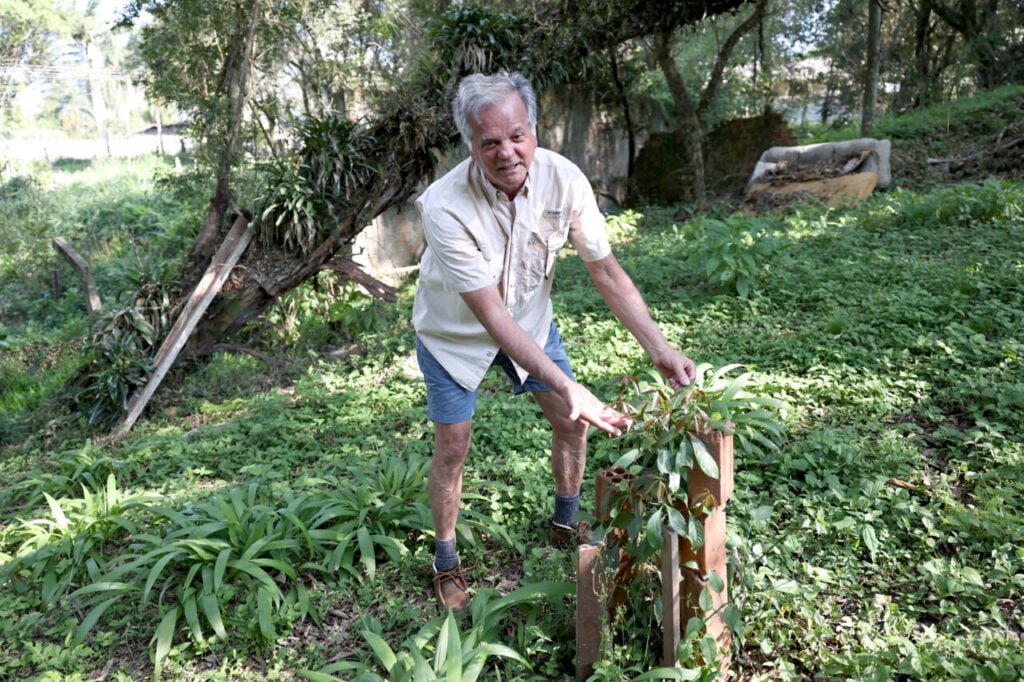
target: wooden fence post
671 602
712 557
81 266
231 249
590 611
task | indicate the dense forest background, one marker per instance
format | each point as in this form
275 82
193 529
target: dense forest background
313 118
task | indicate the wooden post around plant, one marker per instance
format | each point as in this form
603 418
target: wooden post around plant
712 557
681 584
590 610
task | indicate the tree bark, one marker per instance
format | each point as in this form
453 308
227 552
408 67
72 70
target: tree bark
922 50
975 20
688 121
871 63
234 87
714 83
627 116
690 115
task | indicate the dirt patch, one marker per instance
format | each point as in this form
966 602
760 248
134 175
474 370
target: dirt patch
965 152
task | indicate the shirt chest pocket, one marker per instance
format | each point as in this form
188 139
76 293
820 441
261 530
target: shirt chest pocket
551 235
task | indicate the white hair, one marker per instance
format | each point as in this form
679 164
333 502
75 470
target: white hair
478 91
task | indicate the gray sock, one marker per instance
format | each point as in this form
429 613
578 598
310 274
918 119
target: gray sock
445 554
565 510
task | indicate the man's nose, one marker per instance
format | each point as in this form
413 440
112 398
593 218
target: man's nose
506 150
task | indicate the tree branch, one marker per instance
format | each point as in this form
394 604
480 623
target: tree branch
714 83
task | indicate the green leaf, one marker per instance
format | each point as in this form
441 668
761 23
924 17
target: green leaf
57 512
453 665
708 649
733 619
265 613
695 532
664 461
704 458
668 674
314 676
155 572
715 581
258 573
211 609
366 554
626 460
705 600
191 610
164 635
694 627
219 567
90 619
678 522
653 528
381 649
870 539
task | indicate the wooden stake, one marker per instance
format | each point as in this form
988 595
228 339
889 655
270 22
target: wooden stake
92 296
227 256
590 612
712 557
672 625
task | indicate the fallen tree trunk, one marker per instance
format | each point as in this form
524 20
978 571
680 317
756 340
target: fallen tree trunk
199 299
81 266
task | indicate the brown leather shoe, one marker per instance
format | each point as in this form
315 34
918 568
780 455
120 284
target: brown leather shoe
450 588
570 536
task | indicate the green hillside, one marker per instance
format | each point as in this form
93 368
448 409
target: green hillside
267 518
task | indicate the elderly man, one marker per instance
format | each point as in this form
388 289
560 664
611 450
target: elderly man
494 225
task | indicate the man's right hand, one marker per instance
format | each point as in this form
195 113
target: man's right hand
583 405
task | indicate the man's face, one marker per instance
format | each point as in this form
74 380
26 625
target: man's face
504 143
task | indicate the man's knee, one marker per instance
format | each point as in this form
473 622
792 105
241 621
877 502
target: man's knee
567 429
451 443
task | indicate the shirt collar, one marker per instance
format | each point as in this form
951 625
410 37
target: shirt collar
492 193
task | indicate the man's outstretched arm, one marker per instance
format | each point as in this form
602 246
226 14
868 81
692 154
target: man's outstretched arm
579 402
626 303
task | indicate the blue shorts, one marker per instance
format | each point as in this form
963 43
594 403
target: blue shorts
450 403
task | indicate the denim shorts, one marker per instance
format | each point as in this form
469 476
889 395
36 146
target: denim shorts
450 403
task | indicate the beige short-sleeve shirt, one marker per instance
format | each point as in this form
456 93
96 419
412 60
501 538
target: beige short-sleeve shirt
476 237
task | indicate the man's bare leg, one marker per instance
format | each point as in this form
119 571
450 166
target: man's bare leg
451 445
568 465
444 486
568 445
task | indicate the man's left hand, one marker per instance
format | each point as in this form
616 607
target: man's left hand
677 368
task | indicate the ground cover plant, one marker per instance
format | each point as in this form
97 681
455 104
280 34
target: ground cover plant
270 522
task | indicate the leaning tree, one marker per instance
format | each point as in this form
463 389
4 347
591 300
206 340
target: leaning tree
344 173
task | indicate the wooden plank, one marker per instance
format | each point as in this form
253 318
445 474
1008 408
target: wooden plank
81 266
590 612
227 256
671 606
712 557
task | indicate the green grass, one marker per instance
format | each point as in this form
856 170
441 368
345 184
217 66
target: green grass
932 127
269 523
